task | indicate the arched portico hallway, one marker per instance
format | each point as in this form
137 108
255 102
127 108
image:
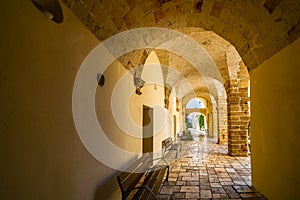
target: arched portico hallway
42 154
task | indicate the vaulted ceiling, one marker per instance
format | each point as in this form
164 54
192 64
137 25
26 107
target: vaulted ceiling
232 32
257 28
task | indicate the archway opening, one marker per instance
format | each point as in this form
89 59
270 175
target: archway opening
195 103
196 119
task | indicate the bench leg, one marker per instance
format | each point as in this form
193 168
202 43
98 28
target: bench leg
167 177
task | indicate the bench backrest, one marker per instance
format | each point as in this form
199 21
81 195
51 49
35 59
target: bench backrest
167 142
131 176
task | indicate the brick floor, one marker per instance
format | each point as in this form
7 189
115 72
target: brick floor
204 170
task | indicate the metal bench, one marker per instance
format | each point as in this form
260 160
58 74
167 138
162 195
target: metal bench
169 145
142 180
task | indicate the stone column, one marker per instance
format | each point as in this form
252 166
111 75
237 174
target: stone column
214 118
222 120
238 113
183 111
215 131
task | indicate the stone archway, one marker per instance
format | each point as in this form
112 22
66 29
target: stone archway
233 21
227 19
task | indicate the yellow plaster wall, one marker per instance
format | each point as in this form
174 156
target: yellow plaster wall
117 87
123 123
40 152
275 126
123 126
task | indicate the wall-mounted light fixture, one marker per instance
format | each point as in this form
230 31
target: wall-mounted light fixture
50 8
100 79
137 80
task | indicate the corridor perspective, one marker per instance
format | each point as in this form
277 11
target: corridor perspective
169 99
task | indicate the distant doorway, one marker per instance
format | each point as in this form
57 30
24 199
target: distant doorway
147 129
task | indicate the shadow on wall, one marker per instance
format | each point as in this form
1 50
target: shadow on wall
109 190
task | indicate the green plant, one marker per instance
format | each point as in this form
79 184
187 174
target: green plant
201 121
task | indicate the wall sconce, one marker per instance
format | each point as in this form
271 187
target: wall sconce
137 80
100 79
50 8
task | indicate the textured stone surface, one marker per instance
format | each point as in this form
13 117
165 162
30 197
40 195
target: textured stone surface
218 175
189 188
234 35
244 24
238 113
167 189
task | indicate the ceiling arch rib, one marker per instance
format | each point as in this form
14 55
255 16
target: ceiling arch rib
233 62
215 46
203 95
177 72
224 55
169 40
221 51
